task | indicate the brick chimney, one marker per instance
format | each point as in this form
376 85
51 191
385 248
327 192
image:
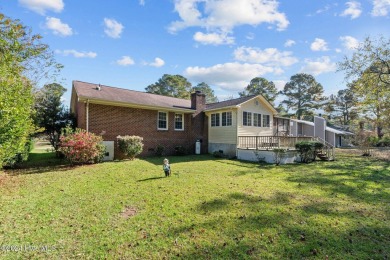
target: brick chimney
198 121
198 101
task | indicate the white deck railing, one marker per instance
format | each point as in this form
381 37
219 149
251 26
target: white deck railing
270 142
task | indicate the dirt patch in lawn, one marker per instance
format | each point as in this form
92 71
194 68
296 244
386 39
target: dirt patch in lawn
128 212
8 183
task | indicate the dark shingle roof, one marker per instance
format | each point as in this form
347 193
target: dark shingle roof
112 94
228 103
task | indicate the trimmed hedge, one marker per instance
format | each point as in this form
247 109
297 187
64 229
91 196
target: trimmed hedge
130 145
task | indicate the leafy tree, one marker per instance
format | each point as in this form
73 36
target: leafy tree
374 100
261 86
51 114
342 106
369 69
206 89
171 85
303 94
24 59
372 56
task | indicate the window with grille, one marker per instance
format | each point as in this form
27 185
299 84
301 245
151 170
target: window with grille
162 121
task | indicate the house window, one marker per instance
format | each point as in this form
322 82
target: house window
226 118
179 122
266 120
247 118
215 119
162 121
256 119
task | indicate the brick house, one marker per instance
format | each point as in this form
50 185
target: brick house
160 120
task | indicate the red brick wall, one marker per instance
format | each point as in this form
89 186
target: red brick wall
80 115
113 121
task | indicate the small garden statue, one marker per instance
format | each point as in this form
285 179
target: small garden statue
167 168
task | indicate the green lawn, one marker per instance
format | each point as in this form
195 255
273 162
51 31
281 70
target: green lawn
209 208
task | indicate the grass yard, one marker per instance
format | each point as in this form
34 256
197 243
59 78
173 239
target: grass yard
210 208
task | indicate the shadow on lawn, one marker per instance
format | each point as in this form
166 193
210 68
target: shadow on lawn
275 228
41 163
152 178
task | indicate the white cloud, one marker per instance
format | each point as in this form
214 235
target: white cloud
125 61
142 2
279 84
58 27
213 38
354 9
269 56
323 10
318 66
381 8
41 6
319 45
113 28
229 76
77 54
224 15
349 42
289 43
158 62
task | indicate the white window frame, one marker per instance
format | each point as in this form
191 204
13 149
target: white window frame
248 118
269 120
227 121
158 120
219 120
255 118
182 122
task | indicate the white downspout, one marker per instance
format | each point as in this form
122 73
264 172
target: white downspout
87 116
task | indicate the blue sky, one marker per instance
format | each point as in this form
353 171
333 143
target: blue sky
225 43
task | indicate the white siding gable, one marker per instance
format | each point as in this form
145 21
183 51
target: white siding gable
258 107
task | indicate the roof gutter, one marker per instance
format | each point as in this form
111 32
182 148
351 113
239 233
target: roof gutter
221 108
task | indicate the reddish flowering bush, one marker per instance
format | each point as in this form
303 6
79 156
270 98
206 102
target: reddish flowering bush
82 147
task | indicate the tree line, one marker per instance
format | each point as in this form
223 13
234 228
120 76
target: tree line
365 99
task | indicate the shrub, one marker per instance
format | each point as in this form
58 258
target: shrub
384 142
19 158
160 150
181 150
279 154
82 147
218 154
308 150
130 145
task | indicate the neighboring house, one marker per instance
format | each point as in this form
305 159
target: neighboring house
318 128
168 121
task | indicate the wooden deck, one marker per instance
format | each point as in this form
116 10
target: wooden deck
267 143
